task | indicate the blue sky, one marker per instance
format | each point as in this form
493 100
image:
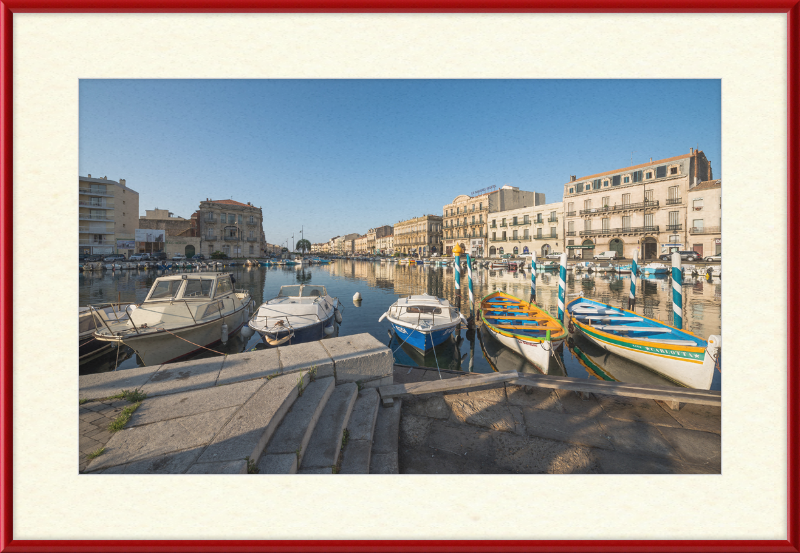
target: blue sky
341 156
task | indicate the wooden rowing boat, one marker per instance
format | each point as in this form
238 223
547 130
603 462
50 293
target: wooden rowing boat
522 327
675 354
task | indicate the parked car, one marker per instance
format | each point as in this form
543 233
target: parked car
606 255
717 257
114 257
140 257
505 256
159 256
89 258
199 257
553 255
687 255
178 257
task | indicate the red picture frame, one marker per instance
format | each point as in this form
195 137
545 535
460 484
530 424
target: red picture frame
9 7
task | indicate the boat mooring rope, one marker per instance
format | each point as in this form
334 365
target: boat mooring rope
198 345
436 358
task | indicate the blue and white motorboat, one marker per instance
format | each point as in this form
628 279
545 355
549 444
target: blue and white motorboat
423 321
655 269
299 313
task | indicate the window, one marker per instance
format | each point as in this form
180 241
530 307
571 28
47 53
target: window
673 170
571 190
240 219
605 200
503 222
231 218
626 199
473 219
223 217
526 220
698 224
571 226
648 220
605 183
515 221
571 207
661 171
698 204
223 286
673 217
673 238
553 232
596 184
637 176
672 193
648 195
626 179
198 288
604 221
538 233
615 180
587 204
500 251
481 206
252 219
480 218
516 250
494 236
626 222
580 187
648 175
587 224
515 235
165 289
525 234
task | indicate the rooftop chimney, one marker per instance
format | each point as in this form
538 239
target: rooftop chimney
572 178
90 175
122 182
691 150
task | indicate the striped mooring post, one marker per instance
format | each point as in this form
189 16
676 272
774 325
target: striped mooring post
457 266
533 278
677 291
634 277
469 286
562 286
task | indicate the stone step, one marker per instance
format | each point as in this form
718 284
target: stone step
326 440
385 439
295 431
360 429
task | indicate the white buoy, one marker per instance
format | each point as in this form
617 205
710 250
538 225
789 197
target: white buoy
357 296
246 332
338 315
328 330
224 338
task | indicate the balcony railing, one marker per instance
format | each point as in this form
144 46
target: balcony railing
251 239
91 230
673 201
539 221
492 226
95 192
96 242
210 221
552 219
678 226
109 218
622 230
622 207
520 224
84 203
499 239
570 214
210 237
570 233
503 225
705 230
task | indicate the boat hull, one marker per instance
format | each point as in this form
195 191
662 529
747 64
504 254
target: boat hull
536 352
423 340
303 334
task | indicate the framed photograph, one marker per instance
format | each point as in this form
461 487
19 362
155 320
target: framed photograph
49 50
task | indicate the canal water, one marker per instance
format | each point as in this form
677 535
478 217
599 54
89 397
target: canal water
381 284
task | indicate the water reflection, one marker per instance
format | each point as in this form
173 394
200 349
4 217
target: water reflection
381 284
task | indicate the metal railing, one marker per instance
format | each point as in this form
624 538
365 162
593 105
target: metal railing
623 207
552 219
520 224
705 230
503 225
251 239
95 192
673 201
570 213
109 218
621 230
234 238
91 230
570 233
499 239
84 203
678 226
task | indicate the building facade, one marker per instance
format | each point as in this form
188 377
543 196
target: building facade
705 218
464 221
181 234
107 215
385 244
420 235
526 230
511 197
231 227
360 245
640 207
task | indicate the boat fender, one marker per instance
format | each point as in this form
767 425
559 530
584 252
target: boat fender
247 332
357 296
338 316
224 337
328 330
383 316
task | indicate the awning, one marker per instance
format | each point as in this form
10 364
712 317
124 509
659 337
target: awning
581 247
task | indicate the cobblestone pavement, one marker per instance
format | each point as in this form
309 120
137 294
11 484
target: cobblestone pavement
94 417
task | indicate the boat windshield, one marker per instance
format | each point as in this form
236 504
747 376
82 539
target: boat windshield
165 289
427 309
289 291
314 291
198 288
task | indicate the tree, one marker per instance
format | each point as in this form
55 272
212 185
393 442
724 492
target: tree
284 250
303 245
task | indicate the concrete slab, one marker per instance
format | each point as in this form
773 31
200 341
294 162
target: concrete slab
224 467
326 441
293 434
356 457
574 405
637 438
532 455
100 385
384 463
696 417
154 440
316 470
698 448
413 430
184 404
574 429
362 420
255 422
284 463
182 377
387 429
171 463
616 462
360 357
378 382
534 397
249 365
635 409
433 407
473 444
486 409
305 356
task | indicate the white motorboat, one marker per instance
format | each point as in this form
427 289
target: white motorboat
89 320
181 315
300 313
423 321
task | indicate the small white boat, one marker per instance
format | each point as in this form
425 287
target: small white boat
583 266
603 267
181 315
655 269
423 321
89 320
300 313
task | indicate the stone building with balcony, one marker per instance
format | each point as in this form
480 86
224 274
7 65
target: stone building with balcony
704 218
464 219
640 207
360 245
385 244
181 235
231 227
528 229
421 235
108 212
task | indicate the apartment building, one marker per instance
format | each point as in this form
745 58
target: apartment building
526 230
345 245
420 235
464 219
385 244
360 245
705 218
107 215
231 227
640 207
181 235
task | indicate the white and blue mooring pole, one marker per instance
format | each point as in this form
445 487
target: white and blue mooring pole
469 285
634 278
533 278
457 266
562 285
677 291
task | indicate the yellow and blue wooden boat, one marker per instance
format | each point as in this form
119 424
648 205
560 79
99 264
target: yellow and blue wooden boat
522 327
675 354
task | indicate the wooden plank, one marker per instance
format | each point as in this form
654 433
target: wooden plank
451 384
516 318
523 327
